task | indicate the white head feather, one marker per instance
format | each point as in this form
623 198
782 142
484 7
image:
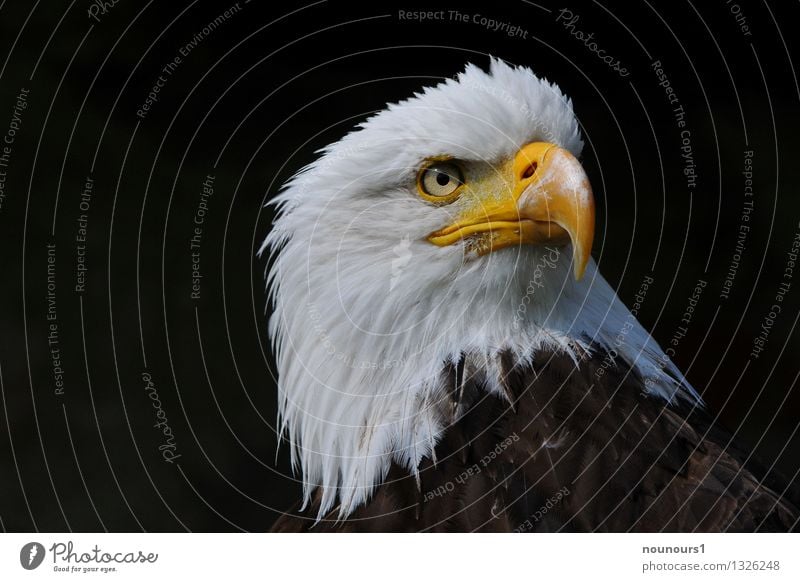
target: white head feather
367 312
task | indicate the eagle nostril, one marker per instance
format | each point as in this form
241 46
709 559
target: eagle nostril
530 170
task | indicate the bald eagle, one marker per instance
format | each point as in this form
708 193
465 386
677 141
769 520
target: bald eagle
449 356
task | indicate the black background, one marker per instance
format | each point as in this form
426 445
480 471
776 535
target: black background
250 105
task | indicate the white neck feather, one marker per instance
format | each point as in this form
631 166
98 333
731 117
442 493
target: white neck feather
361 370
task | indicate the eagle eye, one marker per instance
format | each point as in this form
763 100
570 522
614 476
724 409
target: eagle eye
440 182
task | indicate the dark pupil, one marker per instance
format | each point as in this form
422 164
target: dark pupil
442 179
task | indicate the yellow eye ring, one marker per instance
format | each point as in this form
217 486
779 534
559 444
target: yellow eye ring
440 181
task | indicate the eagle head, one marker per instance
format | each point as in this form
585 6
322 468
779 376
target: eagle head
447 229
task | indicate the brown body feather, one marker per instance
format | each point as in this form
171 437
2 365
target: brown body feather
573 449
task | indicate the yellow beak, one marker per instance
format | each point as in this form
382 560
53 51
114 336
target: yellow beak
547 199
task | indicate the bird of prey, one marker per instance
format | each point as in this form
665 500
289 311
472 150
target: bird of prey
449 356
